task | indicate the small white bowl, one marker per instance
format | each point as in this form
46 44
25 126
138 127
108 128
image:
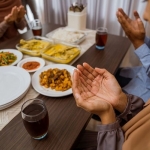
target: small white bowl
30 59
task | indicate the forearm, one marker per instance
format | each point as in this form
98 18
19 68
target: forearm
122 102
108 116
3 27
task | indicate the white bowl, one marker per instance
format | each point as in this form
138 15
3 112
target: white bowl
30 59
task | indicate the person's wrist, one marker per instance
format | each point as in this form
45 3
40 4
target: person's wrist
18 20
122 102
8 22
138 44
108 116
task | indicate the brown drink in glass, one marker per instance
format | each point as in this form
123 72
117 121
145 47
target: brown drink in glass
36 27
101 38
35 118
37 31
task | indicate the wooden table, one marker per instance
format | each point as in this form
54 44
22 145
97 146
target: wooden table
66 120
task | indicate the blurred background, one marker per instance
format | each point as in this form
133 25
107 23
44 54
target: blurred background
99 12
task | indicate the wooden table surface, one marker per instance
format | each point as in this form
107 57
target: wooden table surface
66 119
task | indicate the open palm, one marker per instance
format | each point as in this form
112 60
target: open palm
86 99
100 83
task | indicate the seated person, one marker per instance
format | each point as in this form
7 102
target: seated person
98 92
11 18
138 78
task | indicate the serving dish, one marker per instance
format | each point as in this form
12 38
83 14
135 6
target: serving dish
48 91
61 52
66 35
34 46
31 60
17 53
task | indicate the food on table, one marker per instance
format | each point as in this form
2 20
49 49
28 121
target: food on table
33 44
31 65
7 58
61 53
67 36
58 79
33 47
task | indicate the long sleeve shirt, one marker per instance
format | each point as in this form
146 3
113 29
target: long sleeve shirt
140 83
9 31
111 136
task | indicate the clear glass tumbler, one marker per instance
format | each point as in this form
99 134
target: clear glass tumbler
101 38
36 27
35 118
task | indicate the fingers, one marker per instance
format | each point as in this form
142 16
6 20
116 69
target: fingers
120 10
88 73
14 12
85 75
136 15
104 73
21 9
139 22
78 85
75 85
90 69
76 88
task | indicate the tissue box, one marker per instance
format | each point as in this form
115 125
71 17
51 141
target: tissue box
77 20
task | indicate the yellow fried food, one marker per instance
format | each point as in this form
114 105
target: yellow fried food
61 51
57 79
34 44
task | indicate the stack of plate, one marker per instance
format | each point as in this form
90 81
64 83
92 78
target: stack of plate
14 84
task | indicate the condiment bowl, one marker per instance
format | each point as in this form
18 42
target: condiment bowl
31 64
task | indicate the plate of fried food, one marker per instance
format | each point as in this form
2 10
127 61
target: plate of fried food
53 80
10 57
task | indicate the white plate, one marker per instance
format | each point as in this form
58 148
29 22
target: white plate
14 101
15 52
47 91
14 82
37 59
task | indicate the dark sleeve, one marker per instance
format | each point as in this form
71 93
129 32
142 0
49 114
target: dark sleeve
3 27
21 25
134 106
111 136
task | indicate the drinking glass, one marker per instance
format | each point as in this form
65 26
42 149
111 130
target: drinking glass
35 118
36 27
101 38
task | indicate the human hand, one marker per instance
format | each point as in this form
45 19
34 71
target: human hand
12 16
21 12
103 84
134 29
91 103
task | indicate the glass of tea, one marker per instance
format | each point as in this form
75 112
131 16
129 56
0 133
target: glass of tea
36 27
35 118
101 38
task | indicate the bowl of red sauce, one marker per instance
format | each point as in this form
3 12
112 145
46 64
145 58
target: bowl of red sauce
31 64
